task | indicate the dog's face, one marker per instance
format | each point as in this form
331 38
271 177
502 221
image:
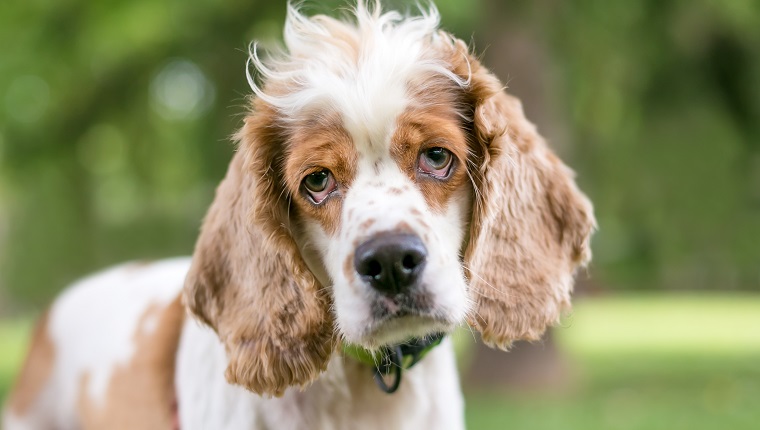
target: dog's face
385 187
384 209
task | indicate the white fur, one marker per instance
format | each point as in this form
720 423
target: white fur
345 396
369 91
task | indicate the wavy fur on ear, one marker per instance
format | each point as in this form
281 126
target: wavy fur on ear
530 224
248 280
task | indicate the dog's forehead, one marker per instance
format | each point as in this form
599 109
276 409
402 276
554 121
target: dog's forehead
366 71
368 98
369 107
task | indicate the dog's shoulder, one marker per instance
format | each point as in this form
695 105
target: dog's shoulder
108 341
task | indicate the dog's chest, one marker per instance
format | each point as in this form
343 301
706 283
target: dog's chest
345 396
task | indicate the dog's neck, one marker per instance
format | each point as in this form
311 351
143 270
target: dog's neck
345 395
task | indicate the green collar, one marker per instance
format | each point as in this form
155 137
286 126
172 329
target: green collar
393 358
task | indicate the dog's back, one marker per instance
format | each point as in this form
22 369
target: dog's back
108 341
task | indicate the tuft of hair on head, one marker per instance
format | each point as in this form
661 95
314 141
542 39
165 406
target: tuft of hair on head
324 59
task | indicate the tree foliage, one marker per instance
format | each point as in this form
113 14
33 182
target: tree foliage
115 119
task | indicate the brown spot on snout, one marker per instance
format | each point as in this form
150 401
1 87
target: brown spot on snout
348 269
404 227
420 218
364 226
140 394
36 371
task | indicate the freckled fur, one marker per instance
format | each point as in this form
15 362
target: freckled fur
367 223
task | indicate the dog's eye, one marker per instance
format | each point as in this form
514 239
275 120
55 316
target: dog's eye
436 162
319 185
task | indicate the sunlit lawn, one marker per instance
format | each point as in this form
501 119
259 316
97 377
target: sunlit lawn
646 362
638 362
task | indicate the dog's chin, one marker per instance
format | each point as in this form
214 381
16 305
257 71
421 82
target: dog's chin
399 329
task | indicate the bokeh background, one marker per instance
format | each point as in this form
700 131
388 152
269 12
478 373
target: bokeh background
114 125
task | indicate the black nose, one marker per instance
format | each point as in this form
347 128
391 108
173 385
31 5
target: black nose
390 263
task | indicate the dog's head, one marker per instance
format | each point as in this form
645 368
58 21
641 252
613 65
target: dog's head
385 187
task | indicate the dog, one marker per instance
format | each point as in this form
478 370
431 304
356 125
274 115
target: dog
386 190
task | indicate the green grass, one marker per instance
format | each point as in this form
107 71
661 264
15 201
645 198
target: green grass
635 393
707 324
13 342
645 362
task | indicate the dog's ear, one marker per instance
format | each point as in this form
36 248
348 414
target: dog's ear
248 280
530 224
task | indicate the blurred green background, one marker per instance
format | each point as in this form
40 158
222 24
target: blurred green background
114 125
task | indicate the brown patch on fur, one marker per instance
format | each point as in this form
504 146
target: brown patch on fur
140 393
404 227
367 224
248 280
317 144
530 226
36 371
428 126
348 269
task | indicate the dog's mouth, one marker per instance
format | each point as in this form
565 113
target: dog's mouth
396 330
397 319
402 305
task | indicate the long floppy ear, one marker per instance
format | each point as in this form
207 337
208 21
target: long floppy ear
248 280
530 225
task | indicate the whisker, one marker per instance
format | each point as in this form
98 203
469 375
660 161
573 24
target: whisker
473 273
